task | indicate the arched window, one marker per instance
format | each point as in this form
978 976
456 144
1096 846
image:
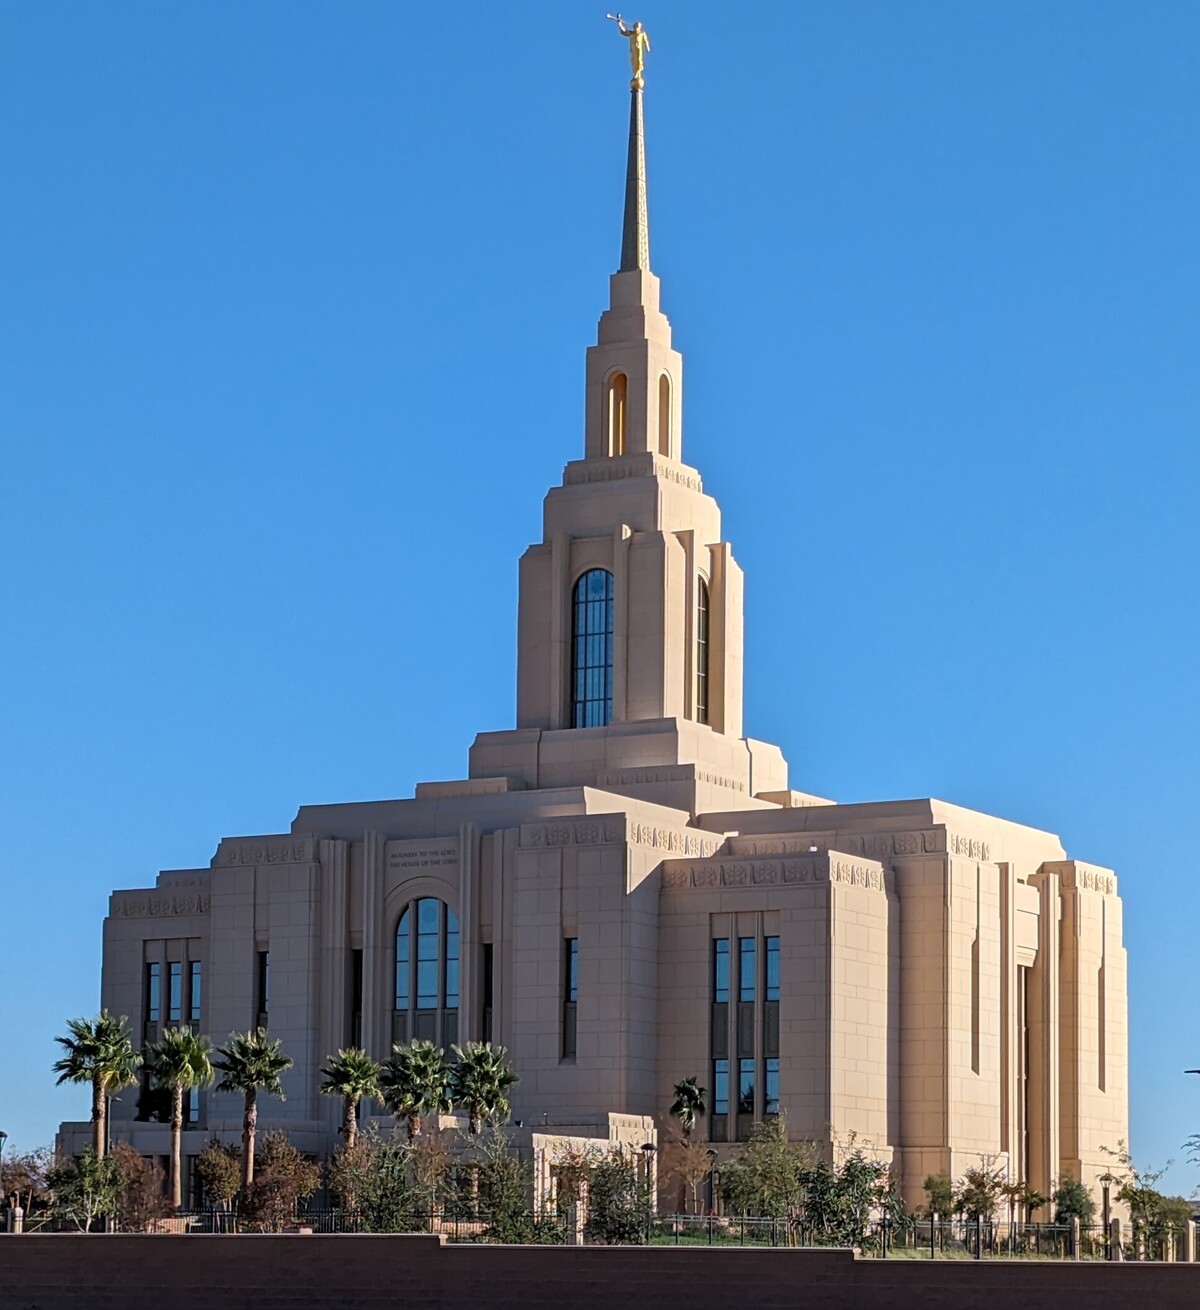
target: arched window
664 415
592 650
701 651
618 395
426 1003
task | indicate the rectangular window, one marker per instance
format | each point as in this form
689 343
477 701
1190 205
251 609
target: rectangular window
451 965
745 1087
772 971
174 992
191 1107
263 988
719 1119
195 991
746 968
720 1087
428 940
488 991
721 970
356 997
570 996
153 993
770 1087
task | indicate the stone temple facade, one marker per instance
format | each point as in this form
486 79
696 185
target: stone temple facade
624 891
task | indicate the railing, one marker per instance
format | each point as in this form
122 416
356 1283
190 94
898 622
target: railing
909 1238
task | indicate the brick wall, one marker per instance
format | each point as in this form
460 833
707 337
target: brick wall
66 1272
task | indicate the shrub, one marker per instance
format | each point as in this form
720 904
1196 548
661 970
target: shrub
282 1178
141 1196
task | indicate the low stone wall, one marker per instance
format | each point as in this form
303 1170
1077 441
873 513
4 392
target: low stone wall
69 1272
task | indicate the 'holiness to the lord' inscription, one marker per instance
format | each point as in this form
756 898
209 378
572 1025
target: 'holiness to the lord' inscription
409 857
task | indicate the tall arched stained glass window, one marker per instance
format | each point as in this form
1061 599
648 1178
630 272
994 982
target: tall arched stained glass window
592 650
701 651
426 1003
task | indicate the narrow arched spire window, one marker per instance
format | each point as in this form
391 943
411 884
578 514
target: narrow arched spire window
701 651
617 404
592 650
664 415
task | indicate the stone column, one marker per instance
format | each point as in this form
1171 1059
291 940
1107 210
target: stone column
468 932
1045 1115
377 1037
334 893
1010 1059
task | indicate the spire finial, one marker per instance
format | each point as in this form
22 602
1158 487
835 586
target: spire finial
635 235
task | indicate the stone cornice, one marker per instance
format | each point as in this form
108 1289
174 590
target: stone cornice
613 829
833 867
280 849
157 904
1082 877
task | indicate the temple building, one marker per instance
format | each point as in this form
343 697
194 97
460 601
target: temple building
625 891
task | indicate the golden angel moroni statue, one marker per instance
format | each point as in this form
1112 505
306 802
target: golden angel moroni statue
639 44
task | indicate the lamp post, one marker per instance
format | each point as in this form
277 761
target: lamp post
712 1181
648 1149
3 1198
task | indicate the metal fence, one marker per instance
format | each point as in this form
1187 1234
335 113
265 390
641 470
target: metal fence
908 1238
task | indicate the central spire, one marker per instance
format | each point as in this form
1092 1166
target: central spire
635 236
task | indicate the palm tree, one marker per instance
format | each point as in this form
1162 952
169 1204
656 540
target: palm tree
479 1081
413 1081
179 1062
688 1104
354 1076
99 1051
251 1063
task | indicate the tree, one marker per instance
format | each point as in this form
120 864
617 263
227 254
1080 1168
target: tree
99 1051
354 1076
618 1201
688 1104
686 1163
373 1178
179 1062
479 1081
219 1169
140 1202
980 1190
1137 1188
84 1189
1072 1200
283 1179
430 1159
505 1186
251 1063
768 1178
25 1179
1032 1200
573 1167
413 1081
939 1193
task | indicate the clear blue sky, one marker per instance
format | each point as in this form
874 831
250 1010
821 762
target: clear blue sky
294 304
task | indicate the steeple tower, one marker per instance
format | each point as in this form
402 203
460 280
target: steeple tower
629 664
634 377
635 238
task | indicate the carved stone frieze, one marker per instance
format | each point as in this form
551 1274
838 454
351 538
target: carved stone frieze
621 469
972 847
596 830
1083 877
835 867
667 773
156 904
264 850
